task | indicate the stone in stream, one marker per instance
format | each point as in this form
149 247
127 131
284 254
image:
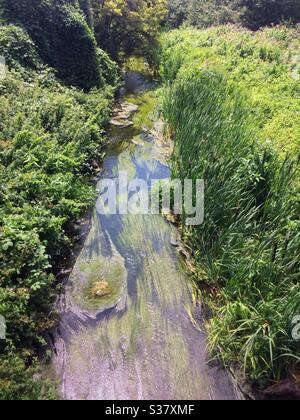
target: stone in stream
122 115
121 123
175 241
96 284
128 107
101 289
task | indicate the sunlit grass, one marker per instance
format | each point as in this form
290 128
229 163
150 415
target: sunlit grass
248 246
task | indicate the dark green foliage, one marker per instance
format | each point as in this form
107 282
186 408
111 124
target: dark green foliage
109 70
17 385
48 134
266 12
177 12
126 28
17 48
62 36
85 6
212 12
252 13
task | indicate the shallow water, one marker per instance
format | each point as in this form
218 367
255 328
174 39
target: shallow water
139 341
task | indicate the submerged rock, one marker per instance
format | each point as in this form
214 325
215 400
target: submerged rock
97 283
122 115
129 107
121 123
175 241
101 289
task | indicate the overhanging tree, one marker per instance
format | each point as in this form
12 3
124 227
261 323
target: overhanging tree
62 35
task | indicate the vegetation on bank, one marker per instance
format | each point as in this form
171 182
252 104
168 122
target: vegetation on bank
232 104
264 64
49 134
125 28
252 14
63 39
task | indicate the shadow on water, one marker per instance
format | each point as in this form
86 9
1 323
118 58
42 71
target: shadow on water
138 340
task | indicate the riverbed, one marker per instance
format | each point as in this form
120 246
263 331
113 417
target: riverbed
129 327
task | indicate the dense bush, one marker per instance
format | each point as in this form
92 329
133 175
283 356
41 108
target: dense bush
62 36
177 13
126 28
17 48
48 134
251 13
203 14
19 383
259 13
227 87
109 71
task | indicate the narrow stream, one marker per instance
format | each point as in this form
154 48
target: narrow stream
136 341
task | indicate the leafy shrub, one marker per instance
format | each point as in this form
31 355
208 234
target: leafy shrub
15 385
258 13
17 48
48 134
253 14
125 28
64 39
204 14
108 68
177 13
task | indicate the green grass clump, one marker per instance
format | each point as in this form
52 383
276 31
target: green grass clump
265 64
248 246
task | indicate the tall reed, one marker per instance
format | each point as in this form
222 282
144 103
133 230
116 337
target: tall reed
249 243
